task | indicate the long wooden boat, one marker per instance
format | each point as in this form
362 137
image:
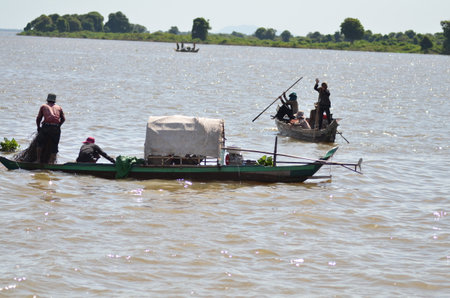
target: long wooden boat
327 134
243 172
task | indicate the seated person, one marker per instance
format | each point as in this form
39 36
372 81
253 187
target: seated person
282 111
291 102
90 152
300 120
289 107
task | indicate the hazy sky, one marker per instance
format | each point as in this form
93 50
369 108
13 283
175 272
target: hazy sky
298 16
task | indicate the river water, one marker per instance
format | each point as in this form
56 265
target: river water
383 233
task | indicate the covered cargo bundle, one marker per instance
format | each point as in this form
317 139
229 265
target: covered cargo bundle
189 138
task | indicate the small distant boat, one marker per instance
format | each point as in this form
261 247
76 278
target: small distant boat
188 49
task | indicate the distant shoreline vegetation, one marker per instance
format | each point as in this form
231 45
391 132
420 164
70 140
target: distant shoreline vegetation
351 37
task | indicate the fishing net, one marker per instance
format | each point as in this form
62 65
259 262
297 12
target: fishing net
30 154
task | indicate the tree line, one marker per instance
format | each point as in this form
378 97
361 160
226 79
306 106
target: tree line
351 36
93 21
352 30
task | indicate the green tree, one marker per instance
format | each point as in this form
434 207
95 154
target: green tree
174 30
271 34
42 23
200 29
263 33
352 29
238 34
446 44
410 33
117 23
426 44
337 36
368 35
96 19
54 17
87 24
327 38
260 33
285 36
136 28
315 36
62 25
74 23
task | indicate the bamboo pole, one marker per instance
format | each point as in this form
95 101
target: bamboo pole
276 99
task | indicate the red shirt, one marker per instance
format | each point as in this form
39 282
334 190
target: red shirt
52 114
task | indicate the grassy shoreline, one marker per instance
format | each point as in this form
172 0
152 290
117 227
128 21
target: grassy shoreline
387 46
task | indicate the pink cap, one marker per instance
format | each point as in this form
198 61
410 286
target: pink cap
89 140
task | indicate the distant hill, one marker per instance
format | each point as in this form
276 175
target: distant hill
246 29
10 30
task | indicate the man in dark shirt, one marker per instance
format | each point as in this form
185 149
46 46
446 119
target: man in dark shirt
324 101
289 107
90 152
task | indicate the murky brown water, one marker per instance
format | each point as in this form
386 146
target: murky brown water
384 233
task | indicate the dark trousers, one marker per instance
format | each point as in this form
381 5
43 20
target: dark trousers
284 110
325 109
49 133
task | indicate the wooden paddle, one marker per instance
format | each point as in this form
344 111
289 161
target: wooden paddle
340 133
277 99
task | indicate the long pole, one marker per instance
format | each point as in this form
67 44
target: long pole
275 152
276 99
325 162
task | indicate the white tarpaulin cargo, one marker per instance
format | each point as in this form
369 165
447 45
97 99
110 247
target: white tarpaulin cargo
183 135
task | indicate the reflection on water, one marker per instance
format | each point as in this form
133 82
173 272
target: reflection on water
69 235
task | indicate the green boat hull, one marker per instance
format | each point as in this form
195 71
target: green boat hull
285 173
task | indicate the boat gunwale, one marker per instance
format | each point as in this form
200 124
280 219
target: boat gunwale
327 134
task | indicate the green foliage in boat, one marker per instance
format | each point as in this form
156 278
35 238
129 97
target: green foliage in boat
266 161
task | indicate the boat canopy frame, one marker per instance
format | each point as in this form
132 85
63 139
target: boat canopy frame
183 139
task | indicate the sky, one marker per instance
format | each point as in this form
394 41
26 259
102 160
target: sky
297 16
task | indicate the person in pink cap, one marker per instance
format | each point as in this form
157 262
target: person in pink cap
91 152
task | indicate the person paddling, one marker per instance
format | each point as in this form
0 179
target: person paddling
292 101
50 130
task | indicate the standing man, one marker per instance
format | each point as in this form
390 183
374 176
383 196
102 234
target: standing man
50 130
324 101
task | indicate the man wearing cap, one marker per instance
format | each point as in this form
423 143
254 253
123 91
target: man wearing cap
50 128
90 152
